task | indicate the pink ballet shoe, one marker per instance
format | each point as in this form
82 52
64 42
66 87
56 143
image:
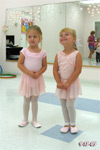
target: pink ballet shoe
73 130
36 124
23 124
64 129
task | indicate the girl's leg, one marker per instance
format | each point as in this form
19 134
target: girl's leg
66 128
26 107
71 111
72 115
34 100
65 112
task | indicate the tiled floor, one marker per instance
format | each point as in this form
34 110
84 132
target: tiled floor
50 116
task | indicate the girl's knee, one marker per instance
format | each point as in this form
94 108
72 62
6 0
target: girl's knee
70 104
70 107
27 100
34 99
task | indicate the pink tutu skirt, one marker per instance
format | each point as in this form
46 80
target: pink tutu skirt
71 93
30 86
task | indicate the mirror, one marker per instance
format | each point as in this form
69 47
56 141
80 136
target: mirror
51 19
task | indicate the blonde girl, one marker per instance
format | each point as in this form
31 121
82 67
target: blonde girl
33 63
66 70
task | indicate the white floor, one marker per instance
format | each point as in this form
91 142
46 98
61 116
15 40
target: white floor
14 138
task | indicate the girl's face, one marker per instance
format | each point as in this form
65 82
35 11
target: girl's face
33 38
66 38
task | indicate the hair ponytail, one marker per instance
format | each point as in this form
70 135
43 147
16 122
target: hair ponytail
75 46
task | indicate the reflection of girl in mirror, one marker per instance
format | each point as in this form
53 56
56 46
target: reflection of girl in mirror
98 50
67 67
91 44
33 63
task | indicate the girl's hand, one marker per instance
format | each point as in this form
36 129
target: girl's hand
36 75
66 86
60 85
32 74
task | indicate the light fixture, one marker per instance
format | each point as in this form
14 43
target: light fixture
93 9
93 6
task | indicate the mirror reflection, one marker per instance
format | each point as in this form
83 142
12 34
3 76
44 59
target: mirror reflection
51 19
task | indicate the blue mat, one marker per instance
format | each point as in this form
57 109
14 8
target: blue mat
81 103
55 133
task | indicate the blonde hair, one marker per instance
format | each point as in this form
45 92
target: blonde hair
72 32
37 29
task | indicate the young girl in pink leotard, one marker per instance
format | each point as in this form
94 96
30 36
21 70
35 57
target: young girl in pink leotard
67 67
33 63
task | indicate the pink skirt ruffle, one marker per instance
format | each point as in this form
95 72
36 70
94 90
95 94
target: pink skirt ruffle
71 93
30 86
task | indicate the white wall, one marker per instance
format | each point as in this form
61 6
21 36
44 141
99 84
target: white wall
87 73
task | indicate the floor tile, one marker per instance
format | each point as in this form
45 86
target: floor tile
55 133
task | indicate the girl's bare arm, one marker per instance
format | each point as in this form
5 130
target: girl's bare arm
56 74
